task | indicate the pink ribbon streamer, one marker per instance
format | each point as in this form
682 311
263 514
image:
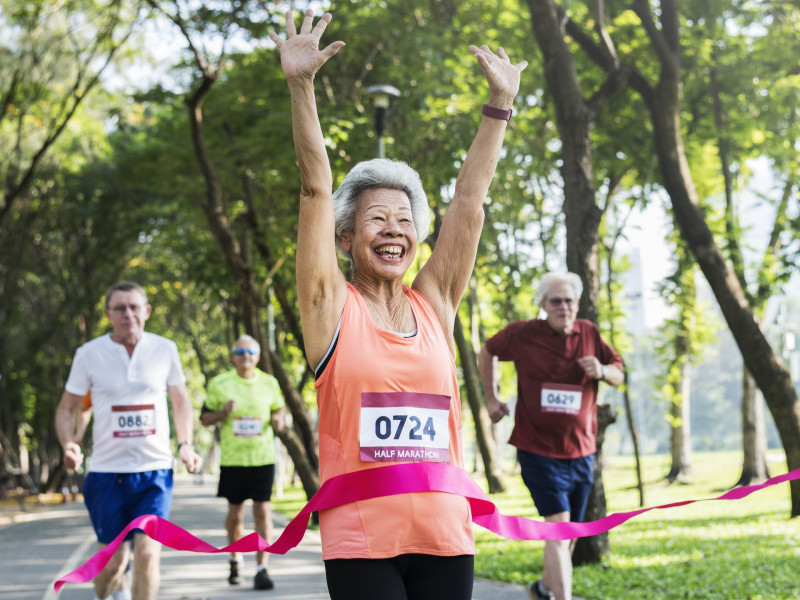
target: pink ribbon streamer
388 481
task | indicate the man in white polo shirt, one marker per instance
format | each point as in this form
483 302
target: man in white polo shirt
129 373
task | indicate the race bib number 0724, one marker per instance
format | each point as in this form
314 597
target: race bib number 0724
404 427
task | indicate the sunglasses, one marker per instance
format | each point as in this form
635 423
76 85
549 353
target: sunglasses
241 351
560 301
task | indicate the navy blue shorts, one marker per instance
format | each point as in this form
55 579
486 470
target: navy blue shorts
558 484
116 499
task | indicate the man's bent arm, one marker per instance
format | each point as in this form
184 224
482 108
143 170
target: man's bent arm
487 366
65 417
65 429
613 375
182 413
211 417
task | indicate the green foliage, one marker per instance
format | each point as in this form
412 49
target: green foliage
735 104
50 58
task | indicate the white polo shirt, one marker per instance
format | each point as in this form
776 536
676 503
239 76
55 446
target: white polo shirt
129 399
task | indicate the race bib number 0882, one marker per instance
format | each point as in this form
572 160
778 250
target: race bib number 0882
404 427
129 421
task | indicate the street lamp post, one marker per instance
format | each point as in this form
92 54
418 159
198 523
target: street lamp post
382 95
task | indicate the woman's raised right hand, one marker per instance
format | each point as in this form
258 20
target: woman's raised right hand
301 57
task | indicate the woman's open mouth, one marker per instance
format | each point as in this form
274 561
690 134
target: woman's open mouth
390 252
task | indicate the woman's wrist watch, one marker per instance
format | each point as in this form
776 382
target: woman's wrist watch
603 372
496 113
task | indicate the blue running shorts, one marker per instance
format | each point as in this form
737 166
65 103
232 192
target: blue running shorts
115 499
558 484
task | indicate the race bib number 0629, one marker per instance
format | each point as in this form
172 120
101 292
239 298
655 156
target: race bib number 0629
404 427
562 398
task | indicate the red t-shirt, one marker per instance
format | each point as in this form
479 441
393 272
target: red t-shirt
556 412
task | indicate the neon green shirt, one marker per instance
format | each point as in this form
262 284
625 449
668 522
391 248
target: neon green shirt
246 435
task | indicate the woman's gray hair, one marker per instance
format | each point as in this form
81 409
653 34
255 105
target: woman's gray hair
373 174
548 280
249 339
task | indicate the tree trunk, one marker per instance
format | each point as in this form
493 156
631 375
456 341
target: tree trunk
573 116
681 432
754 436
592 549
634 436
483 426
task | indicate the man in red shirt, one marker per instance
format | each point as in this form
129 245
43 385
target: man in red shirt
559 362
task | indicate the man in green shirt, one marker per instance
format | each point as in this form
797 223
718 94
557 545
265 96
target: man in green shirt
248 404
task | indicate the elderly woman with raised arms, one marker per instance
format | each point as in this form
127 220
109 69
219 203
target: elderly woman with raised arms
382 351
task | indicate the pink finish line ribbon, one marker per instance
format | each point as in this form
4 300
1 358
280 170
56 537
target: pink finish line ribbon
388 481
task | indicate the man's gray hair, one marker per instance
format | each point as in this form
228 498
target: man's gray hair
552 278
246 338
125 286
379 173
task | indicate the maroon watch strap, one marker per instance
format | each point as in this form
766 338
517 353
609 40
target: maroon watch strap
496 113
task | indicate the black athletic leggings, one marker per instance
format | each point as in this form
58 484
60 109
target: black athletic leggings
404 577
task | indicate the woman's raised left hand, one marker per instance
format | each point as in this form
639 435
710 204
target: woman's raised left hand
501 74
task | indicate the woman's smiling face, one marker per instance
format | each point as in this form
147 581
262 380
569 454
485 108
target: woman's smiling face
384 240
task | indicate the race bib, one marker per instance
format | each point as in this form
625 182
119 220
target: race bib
247 426
561 398
404 427
133 421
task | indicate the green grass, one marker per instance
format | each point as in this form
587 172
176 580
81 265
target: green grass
728 550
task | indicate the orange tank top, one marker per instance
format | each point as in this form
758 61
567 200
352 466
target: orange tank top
385 399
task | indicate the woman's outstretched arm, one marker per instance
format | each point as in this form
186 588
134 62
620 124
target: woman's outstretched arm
444 277
320 283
